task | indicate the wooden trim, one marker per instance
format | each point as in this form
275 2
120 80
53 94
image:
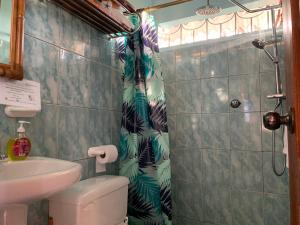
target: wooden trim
109 21
291 20
14 70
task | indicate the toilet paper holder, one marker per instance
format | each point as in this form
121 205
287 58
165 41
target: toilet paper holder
104 154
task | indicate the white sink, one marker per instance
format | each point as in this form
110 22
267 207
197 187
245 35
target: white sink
33 179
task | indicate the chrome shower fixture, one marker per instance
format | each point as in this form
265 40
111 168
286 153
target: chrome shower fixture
260 44
208 10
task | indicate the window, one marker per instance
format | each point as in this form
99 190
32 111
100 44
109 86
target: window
217 27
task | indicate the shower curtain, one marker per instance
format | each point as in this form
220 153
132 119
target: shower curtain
144 142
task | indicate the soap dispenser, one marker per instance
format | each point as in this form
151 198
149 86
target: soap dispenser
19 148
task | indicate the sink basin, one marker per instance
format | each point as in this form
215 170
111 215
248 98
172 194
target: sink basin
35 178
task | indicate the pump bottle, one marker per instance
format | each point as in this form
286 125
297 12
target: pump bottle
19 148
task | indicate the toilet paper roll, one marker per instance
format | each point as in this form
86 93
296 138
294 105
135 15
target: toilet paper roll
104 154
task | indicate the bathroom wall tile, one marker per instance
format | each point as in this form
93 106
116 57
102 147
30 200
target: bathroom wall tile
115 127
214 131
99 127
73 135
214 95
247 208
100 86
112 169
246 171
84 169
188 130
186 165
44 68
245 131
109 55
276 209
216 207
116 90
73 80
7 129
171 99
185 221
243 60
189 197
38 213
42 132
214 60
42 20
99 48
172 131
100 51
174 191
216 169
188 63
88 167
91 167
174 174
247 90
273 183
74 34
168 66
188 96
206 223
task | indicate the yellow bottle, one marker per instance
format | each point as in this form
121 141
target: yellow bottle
19 148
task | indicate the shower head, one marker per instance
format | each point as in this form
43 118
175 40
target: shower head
208 10
259 43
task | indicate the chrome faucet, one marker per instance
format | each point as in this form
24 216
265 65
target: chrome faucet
3 157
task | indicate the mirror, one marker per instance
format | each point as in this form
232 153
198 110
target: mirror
11 38
5 18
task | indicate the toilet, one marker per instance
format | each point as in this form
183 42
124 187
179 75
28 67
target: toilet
95 201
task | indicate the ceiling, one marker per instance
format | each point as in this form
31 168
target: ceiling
186 12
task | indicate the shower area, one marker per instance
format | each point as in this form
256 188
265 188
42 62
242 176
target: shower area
223 71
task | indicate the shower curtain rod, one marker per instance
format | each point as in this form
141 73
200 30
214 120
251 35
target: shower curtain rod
255 10
177 2
147 9
161 6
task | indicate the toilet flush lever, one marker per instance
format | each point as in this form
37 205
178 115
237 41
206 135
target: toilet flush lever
273 120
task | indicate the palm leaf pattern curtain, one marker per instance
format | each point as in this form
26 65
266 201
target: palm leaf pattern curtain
144 142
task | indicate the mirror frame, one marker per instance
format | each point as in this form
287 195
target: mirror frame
14 70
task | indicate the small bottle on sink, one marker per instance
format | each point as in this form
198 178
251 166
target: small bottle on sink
19 148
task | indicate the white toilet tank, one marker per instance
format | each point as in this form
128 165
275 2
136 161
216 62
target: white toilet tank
95 201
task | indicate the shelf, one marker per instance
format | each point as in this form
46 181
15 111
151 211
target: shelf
106 16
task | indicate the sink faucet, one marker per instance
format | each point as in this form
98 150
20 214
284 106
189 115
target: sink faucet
3 156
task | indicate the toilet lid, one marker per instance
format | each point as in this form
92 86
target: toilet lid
85 191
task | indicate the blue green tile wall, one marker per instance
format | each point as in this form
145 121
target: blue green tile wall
81 91
221 157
